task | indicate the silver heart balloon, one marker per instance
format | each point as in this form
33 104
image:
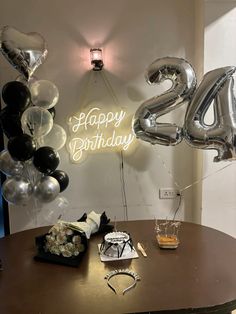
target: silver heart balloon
24 51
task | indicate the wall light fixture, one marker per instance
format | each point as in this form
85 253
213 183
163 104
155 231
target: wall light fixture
96 59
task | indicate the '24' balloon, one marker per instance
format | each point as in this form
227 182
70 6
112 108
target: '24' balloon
216 86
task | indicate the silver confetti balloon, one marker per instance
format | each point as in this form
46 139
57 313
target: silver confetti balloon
36 121
217 88
183 78
9 166
24 51
17 191
47 189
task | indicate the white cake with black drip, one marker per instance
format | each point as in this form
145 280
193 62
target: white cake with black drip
116 244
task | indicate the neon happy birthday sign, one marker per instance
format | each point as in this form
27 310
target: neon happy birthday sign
98 130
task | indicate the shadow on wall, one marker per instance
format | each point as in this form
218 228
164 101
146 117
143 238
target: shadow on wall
223 8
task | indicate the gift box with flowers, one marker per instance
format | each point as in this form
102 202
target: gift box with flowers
66 242
62 245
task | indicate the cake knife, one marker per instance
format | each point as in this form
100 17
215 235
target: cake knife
141 249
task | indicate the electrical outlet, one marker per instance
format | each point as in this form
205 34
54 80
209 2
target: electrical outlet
167 193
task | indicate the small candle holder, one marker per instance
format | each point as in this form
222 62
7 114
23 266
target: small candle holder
167 234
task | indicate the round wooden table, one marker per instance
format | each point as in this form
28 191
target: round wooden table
198 277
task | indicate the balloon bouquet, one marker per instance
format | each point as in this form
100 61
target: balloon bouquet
31 159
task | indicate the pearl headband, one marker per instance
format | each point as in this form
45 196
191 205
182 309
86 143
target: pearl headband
127 272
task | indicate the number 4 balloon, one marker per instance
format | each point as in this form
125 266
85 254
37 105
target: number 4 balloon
216 87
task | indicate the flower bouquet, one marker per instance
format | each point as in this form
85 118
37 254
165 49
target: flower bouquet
61 245
66 242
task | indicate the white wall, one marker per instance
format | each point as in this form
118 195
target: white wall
132 33
219 197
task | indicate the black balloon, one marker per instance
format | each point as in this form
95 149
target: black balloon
46 159
53 112
21 147
10 123
16 96
62 179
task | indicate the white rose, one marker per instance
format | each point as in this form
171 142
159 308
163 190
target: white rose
55 250
76 239
76 253
61 238
66 253
69 231
81 247
70 247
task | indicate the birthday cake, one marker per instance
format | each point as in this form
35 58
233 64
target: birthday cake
116 244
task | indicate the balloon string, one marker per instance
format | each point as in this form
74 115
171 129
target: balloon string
203 178
168 170
123 190
107 85
86 89
178 206
181 190
122 177
109 88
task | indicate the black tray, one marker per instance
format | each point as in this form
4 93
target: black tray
43 256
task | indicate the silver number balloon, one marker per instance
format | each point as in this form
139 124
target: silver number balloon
47 189
24 51
217 88
183 79
17 190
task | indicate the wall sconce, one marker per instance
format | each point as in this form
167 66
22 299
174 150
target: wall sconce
96 59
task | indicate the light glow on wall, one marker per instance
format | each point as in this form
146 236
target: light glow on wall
99 130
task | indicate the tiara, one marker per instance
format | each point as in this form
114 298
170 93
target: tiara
127 272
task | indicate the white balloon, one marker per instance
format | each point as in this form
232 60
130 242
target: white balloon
36 121
44 94
56 138
57 211
9 166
